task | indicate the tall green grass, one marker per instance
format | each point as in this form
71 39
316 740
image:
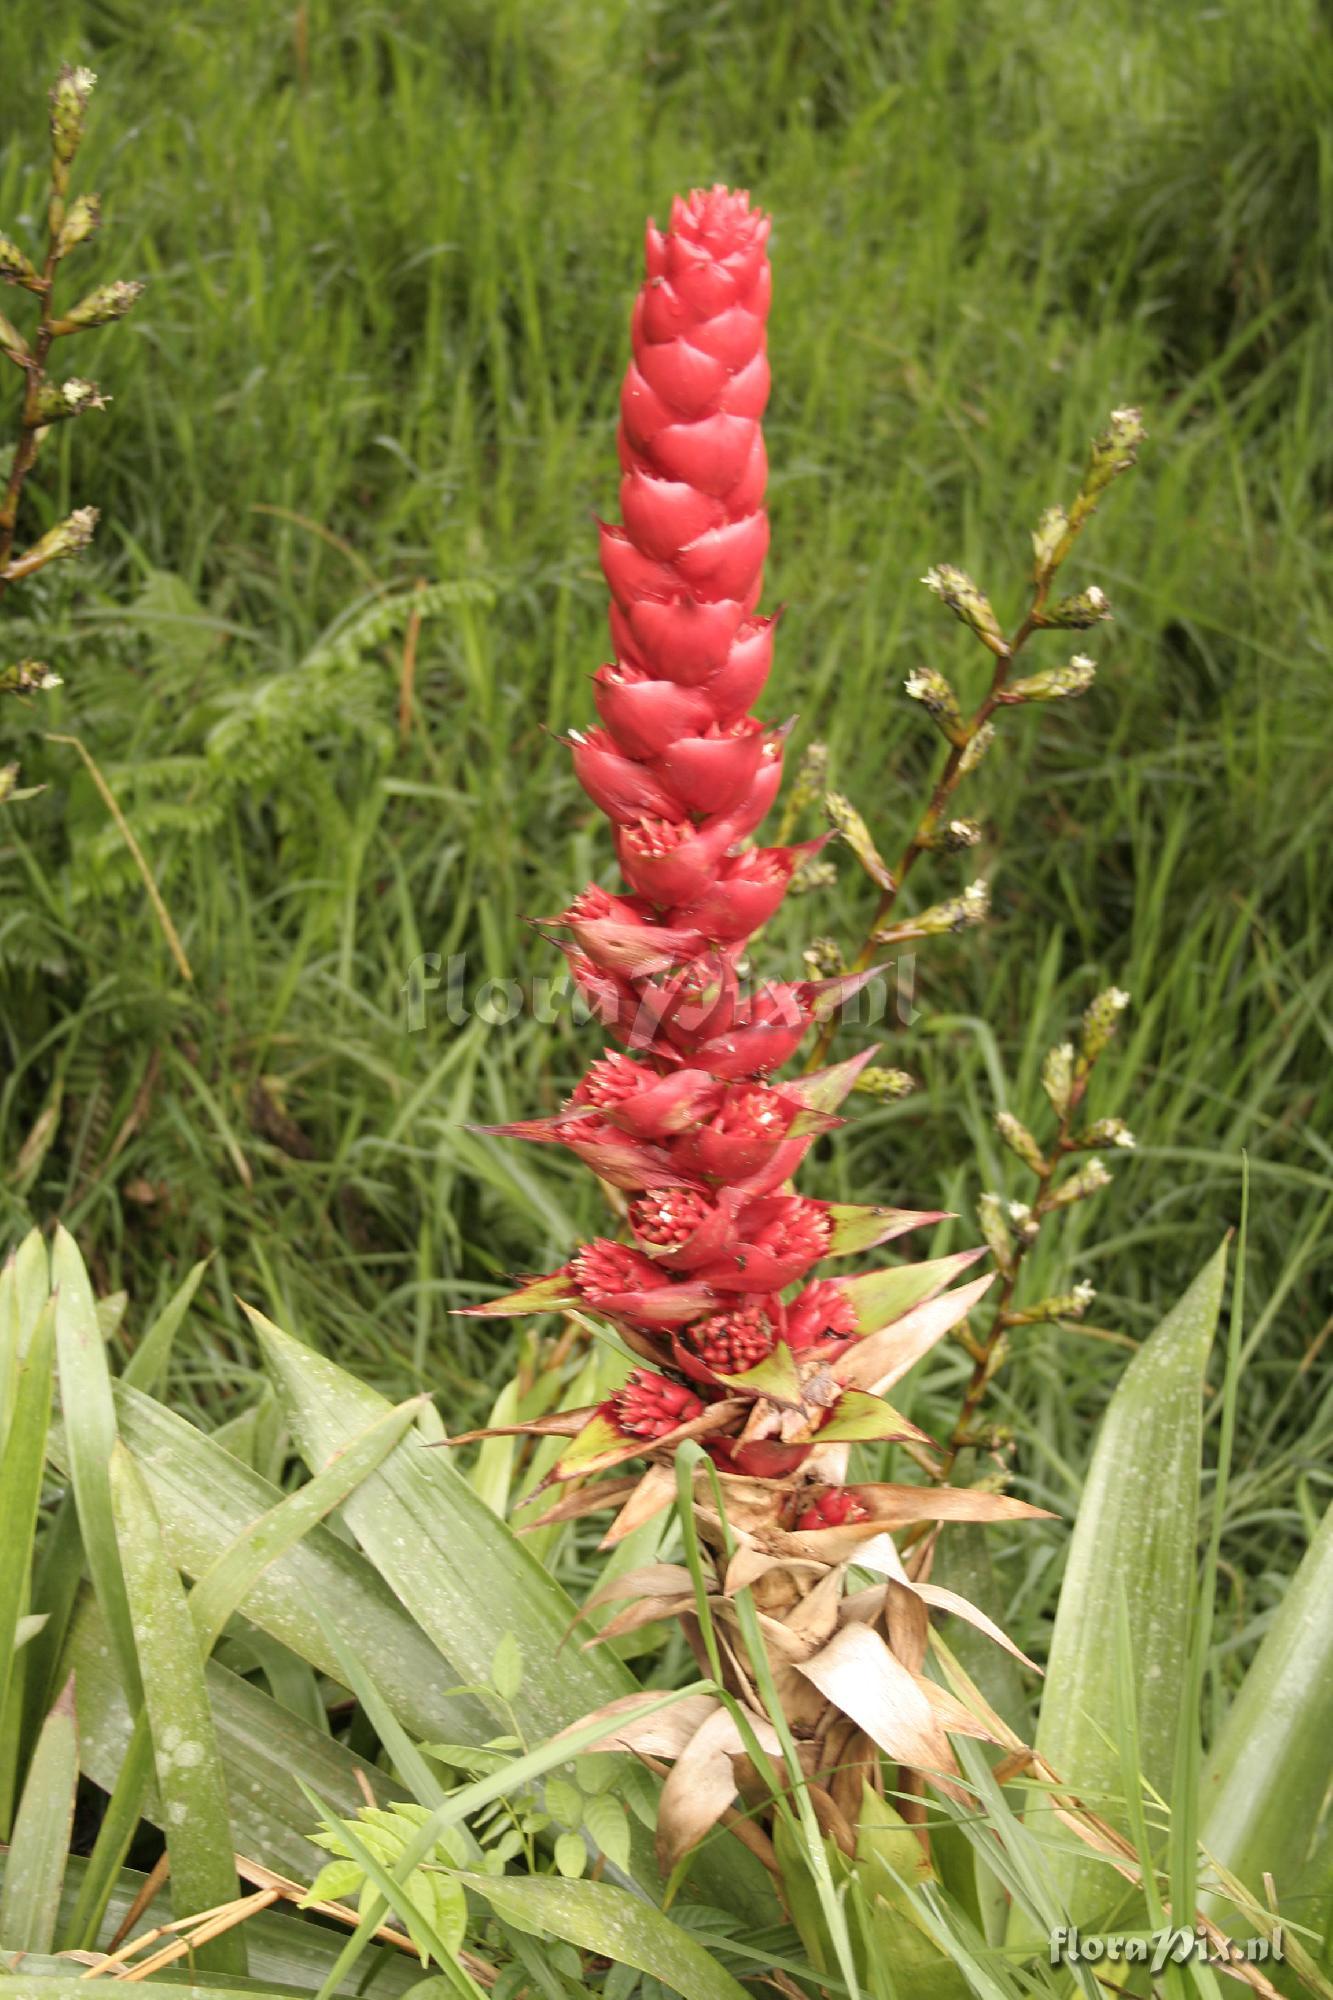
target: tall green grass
391 253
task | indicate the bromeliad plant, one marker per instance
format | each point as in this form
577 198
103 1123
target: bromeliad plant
767 1372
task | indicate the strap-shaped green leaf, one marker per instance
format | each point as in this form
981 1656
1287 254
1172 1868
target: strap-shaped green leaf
267 1753
21 1462
30 1901
90 1433
205 1498
1137 1529
463 1575
190 1781
1264 1784
25 1286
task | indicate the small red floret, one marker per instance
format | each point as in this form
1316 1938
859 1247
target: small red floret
831 1507
651 1405
731 1342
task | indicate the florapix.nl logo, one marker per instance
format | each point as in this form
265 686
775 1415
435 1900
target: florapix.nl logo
439 988
1170 1945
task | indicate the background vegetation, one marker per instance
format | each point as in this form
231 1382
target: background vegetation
391 252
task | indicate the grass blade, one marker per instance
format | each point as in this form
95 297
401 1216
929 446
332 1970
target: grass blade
90 1432
30 1901
147 1365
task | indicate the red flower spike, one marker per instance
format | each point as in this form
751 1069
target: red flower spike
651 1405
685 1121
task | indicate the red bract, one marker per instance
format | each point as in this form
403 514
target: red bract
664 1105
682 1228
613 1156
622 1282
740 1138
778 1239
745 891
822 1312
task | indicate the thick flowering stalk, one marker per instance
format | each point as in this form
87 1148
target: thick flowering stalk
714 1291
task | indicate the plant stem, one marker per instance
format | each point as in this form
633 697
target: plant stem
987 1355
25 451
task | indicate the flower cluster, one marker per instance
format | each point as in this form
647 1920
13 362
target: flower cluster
745 1350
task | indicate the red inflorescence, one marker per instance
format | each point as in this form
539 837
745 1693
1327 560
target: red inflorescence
687 1118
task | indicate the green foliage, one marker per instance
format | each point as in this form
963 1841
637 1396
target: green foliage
1134 1545
30 1900
385 1832
1263 1789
